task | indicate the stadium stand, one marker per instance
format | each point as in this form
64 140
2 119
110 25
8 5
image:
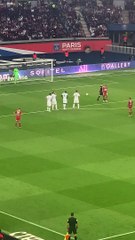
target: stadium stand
56 20
99 16
130 5
24 22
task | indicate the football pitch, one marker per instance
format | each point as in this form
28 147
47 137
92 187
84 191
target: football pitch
80 161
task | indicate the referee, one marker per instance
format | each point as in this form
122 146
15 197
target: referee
72 226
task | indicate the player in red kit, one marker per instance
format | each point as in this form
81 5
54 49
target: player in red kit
18 114
130 107
105 94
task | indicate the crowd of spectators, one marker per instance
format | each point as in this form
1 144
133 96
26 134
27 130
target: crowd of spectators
58 19
132 17
99 14
130 6
24 22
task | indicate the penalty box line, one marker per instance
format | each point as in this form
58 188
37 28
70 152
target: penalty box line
58 233
57 89
117 235
31 223
85 107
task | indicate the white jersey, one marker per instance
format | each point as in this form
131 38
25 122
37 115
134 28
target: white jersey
76 96
49 100
54 100
64 97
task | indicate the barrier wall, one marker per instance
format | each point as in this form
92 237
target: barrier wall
42 72
28 48
8 237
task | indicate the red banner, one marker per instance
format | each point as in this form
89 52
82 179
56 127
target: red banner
53 47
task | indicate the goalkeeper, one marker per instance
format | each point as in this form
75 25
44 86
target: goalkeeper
16 74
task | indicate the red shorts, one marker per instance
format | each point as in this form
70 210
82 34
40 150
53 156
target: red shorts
18 118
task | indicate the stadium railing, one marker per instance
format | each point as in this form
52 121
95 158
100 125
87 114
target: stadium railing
120 49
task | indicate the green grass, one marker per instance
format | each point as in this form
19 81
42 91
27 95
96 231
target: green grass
63 161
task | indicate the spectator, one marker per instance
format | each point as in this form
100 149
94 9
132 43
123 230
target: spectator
66 56
34 56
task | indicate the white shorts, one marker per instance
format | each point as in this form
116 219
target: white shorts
65 102
76 102
54 103
49 104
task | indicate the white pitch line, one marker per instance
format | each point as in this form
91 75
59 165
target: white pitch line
104 109
113 102
56 89
85 107
37 80
65 78
75 76
27 113
58 233
31 223
117 235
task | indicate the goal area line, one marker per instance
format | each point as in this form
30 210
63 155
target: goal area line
31 223
98 106
50 79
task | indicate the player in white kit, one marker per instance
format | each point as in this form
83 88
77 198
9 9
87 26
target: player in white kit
54 101
49 102
64 96
76 96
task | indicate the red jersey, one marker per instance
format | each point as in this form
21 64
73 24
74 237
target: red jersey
34 56
130 103
125 39
1 236
105 91
18 114
66 54
102 51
